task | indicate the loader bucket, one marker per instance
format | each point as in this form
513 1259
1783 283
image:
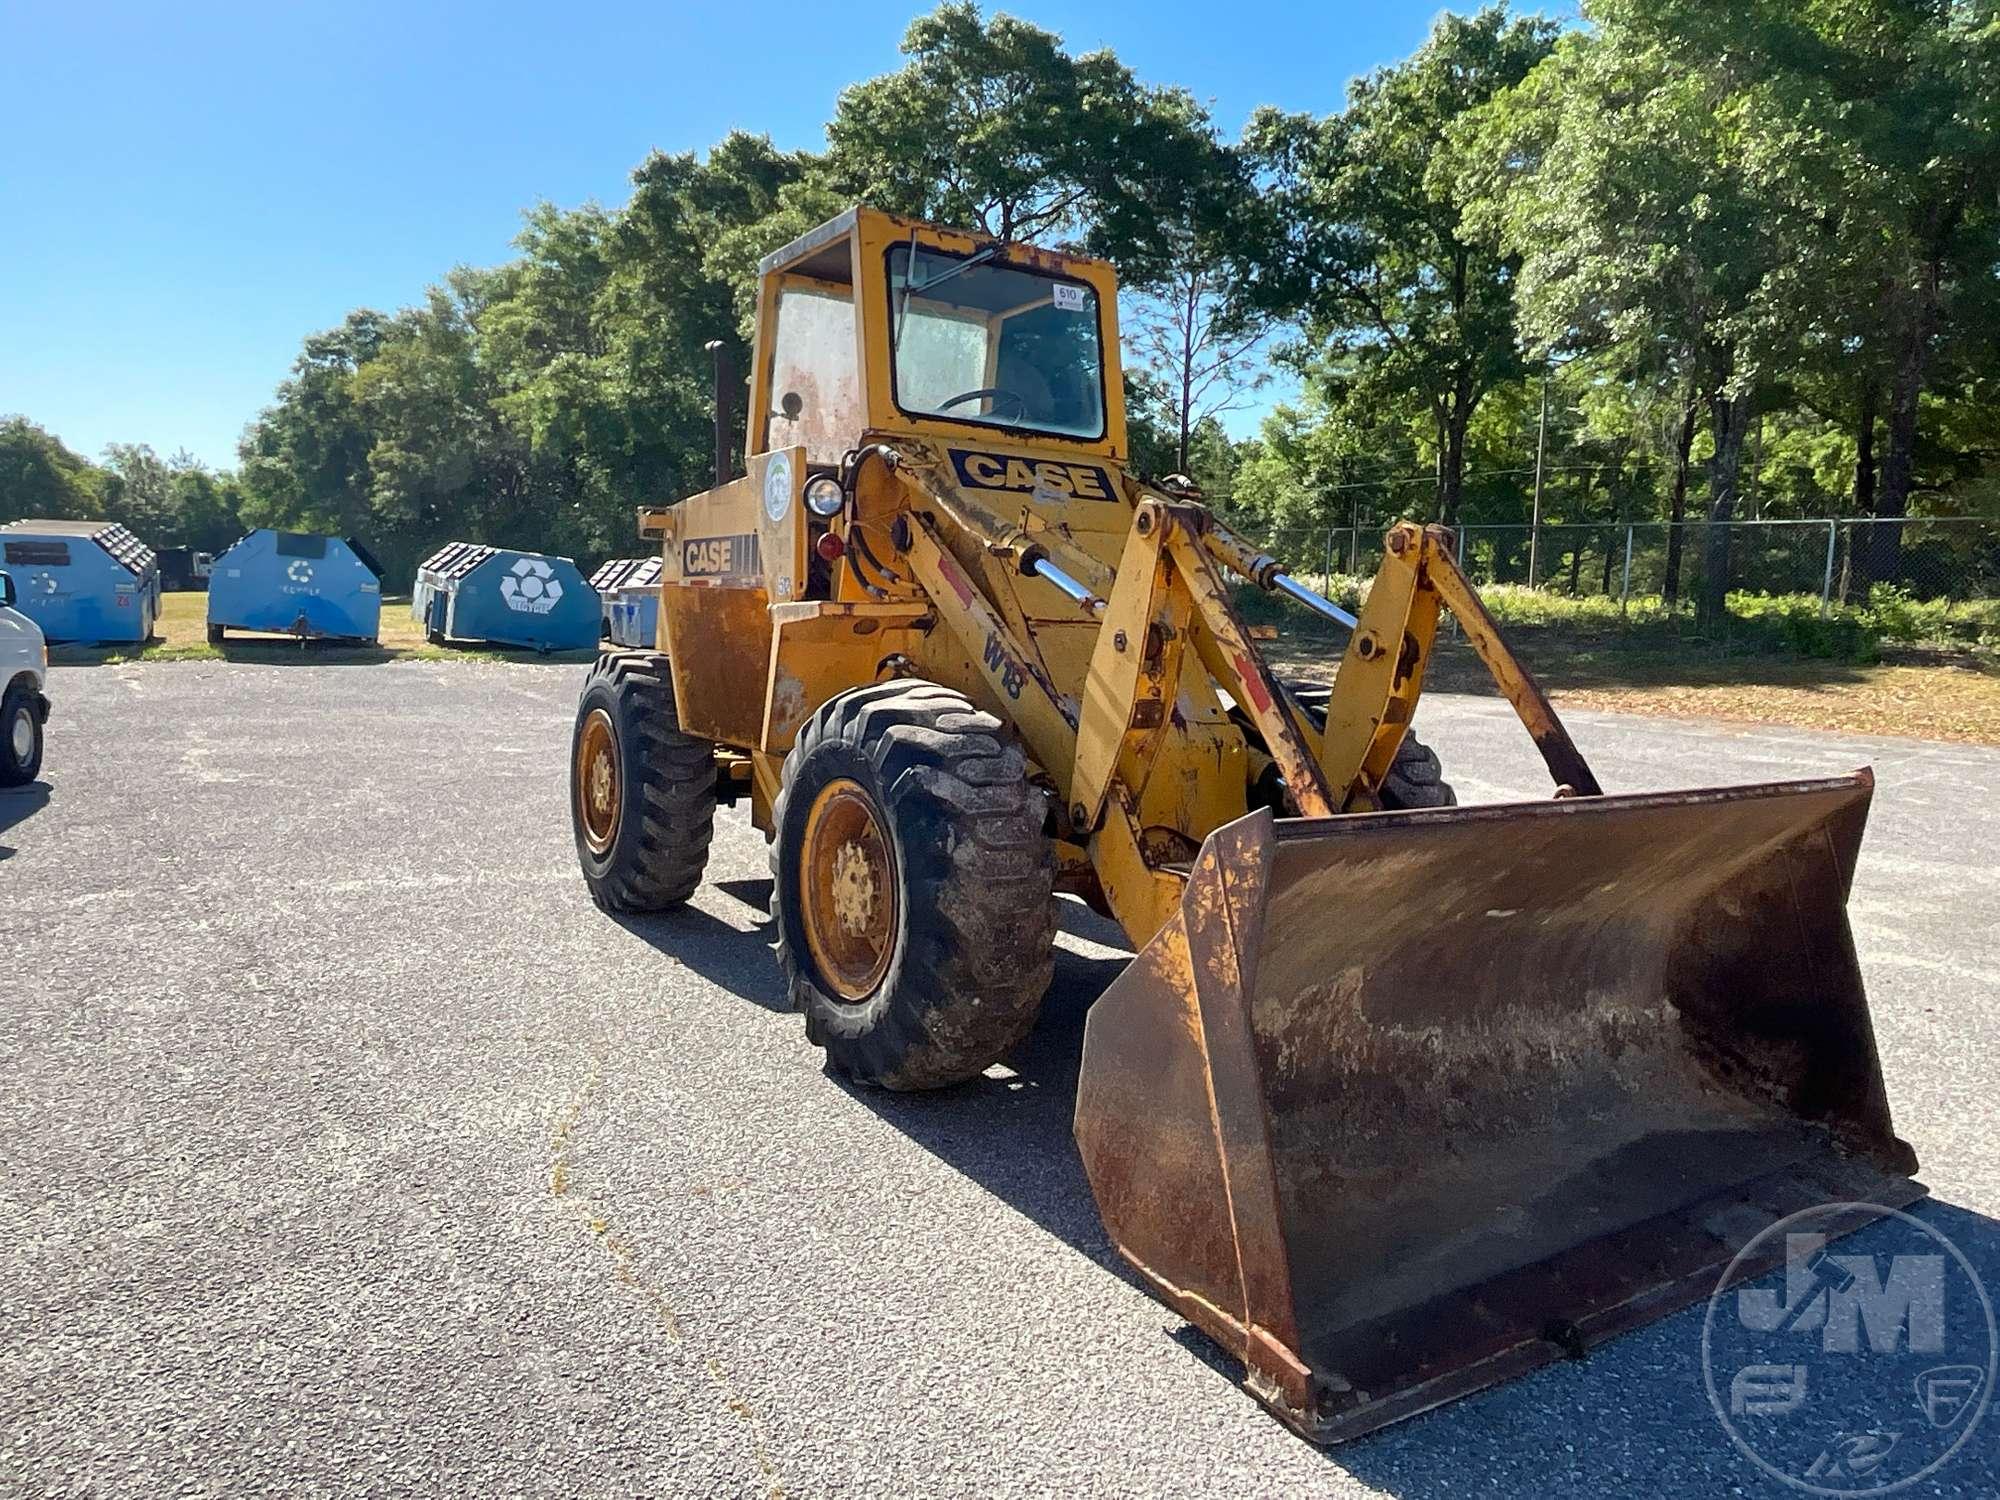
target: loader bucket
1402 1104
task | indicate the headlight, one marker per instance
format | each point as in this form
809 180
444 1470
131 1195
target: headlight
824 497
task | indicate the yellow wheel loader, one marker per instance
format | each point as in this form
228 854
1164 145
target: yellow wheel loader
1397 1098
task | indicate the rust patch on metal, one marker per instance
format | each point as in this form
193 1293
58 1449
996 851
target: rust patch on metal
1477 1087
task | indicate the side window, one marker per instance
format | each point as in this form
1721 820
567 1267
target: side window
813 374
46 554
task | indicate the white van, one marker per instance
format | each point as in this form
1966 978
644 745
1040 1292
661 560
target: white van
24 704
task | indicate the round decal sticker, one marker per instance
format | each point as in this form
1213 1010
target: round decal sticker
778 486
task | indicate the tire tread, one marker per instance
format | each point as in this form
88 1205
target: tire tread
660 865
978 884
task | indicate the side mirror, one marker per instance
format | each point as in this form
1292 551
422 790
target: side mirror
6 590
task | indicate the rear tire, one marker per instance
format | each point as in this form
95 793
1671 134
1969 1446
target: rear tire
642 793
904 798
1416 777
20 738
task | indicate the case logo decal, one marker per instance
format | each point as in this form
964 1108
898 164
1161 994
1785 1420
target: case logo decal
1044 477
722 557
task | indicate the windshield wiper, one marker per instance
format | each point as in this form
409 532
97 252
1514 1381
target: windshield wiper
977 258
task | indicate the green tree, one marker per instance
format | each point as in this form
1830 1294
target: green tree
1617 175
145 499
1201 344
206 506
1879 140
173 501
1365 239
993 126
534 404
305 460
40 478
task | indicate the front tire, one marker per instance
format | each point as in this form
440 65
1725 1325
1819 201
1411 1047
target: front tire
20 738
1416 776
913 886
642 793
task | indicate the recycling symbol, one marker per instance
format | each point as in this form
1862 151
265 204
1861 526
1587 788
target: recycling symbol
530 587
43 583
299 571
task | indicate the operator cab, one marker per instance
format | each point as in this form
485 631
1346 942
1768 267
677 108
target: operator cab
959 336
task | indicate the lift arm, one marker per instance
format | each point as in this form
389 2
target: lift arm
1381 675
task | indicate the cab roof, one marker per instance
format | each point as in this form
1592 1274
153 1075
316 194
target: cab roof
821 252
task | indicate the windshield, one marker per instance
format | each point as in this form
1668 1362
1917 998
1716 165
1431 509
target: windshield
980 342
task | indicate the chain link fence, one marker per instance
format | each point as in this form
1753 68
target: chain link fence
1836 561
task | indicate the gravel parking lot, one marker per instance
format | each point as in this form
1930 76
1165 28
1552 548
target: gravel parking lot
353 1151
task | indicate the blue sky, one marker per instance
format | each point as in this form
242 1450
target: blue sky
186 190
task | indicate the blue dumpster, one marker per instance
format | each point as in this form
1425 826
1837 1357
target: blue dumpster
294 583
630 589
466 592
90 582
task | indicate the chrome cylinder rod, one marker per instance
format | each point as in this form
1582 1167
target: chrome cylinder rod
1041 567
1286 584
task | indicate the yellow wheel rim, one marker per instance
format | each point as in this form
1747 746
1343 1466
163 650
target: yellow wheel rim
847 891
597 781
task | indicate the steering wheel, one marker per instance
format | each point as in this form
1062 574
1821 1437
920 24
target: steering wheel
989 393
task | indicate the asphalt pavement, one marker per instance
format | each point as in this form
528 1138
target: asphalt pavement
351 1150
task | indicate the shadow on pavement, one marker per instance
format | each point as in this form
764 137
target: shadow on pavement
17 805
1632 1416
740 962
1010 1130
283 653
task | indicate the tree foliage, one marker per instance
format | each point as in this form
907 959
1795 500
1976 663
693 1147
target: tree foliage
1752 250
40 477
1365 238
993 126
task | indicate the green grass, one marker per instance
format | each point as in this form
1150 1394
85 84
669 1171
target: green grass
1781 625
1894 666
181 634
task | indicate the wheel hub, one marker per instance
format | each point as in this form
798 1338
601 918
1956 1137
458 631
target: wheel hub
597 781
847 891
853 889
23 736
